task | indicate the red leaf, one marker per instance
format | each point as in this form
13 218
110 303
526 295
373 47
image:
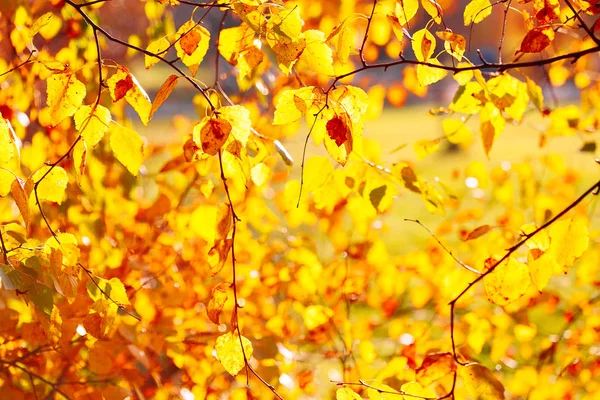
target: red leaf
338 130
122 87
537 40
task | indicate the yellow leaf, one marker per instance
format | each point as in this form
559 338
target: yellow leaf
21 194
127 146
317 56
415 389
346 394
456 131
55 328
40 23
406 10
287 23
541 267
65 96
232 41
507 282
79 158
317 315
239 118
293 104
288 53
52 186
216 303
481 383
568 240
476 11
211 133
163 94
454 43
7 148
67 244
6 179
229 352
491 125
111 290
389 393
192 44
433 9
123 84
425 147
428 75
92 123
157 47
423 44
535 94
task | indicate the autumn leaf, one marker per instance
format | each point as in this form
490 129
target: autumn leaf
478 232
454 43
230 353
192 44
433 9
568 240
51 183
7 148
163 94
112 290
476 11
211 133
537 40
481 383
435 367
158 47
345 393
65 96
92 123
507 282
216 303
317 55
423 44
337 130
123 84
127 146
406 10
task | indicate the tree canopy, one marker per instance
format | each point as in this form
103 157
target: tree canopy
244 231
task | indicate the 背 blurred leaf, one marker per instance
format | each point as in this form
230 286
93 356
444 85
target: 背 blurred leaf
481 383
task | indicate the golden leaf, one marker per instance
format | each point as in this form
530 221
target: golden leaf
230 353
65 96
128 147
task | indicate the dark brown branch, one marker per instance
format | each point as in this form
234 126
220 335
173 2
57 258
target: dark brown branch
499 67
509 252
366 36
582 23
106 34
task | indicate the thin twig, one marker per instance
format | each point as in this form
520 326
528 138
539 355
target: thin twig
465 266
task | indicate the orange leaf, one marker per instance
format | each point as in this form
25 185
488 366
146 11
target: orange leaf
537 40
213 134
435 367
163 93
216 303
477 232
